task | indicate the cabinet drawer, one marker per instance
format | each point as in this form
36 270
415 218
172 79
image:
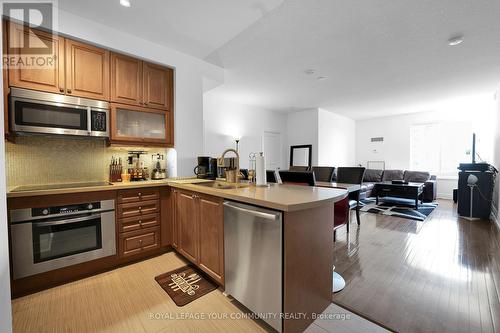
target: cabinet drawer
138 208
139 222
135 195
139 241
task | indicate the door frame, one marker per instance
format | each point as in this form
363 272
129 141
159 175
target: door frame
276 132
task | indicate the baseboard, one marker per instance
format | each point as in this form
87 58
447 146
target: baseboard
444 196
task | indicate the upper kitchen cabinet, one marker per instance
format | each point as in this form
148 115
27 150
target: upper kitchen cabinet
139 125
140 83
51 77
87 71
157 86
126 80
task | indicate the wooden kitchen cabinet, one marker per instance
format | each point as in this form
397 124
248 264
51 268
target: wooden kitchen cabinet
136 242
77 69
142 92
138 208
211 221
140 83
126 80
87 70
138 214
139 222
134 195
157 86
49 79
187 222
199 230
142 126
175 226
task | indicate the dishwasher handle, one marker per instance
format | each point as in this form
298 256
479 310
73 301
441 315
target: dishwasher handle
267 216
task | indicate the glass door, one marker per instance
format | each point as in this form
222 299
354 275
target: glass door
61 238
37 115
140 125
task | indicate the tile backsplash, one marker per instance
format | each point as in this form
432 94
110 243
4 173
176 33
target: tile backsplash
34 160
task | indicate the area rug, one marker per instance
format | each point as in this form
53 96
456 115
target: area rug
398 207
185 284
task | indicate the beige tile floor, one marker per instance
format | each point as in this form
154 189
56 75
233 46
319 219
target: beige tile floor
128 299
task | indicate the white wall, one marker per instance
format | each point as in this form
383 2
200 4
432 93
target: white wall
190 73
336 139
226 120
302 127
5 305
394 150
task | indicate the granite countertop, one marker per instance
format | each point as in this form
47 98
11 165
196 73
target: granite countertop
275 196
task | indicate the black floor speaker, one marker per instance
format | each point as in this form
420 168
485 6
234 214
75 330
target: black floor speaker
482 194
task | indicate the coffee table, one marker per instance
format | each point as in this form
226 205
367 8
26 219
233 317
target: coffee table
405 191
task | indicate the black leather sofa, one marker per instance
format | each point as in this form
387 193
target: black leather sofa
373 176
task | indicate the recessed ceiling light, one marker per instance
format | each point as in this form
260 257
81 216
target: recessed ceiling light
310 71
456 40
125 3
322 78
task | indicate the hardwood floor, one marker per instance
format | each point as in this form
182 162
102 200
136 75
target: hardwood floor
440 275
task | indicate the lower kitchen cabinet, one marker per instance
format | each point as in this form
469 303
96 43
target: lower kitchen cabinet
139 241
139 221
211 257
187 223
199 231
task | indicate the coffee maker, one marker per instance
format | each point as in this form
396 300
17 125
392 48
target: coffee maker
206 168
159 171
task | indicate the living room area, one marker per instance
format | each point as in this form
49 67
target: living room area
403 106
421 255
410 257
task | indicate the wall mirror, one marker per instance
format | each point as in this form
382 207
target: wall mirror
300 156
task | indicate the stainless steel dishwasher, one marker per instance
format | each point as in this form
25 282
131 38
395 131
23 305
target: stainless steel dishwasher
253 259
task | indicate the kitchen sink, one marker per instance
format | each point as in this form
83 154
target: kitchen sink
223 185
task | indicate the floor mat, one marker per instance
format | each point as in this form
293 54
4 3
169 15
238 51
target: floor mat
404 208
185 284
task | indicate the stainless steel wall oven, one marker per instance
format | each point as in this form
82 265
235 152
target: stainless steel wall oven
48 238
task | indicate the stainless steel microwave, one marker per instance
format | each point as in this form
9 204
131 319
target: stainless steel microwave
46 113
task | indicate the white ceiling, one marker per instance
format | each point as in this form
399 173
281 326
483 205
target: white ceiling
195 27
381 57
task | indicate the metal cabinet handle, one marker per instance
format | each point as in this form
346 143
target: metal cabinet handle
89 119
61 90
68 91
78 219
139 194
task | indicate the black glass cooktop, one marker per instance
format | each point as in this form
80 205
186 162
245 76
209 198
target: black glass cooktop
58 186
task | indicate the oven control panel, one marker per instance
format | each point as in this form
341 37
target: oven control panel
61 210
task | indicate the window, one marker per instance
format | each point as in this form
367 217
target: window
440 147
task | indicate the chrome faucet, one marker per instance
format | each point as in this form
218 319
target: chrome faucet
232 175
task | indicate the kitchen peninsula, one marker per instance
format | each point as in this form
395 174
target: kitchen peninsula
187 215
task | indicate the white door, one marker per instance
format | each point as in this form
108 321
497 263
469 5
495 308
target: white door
271 146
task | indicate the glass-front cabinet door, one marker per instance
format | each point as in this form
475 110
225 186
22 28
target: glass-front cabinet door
140 125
